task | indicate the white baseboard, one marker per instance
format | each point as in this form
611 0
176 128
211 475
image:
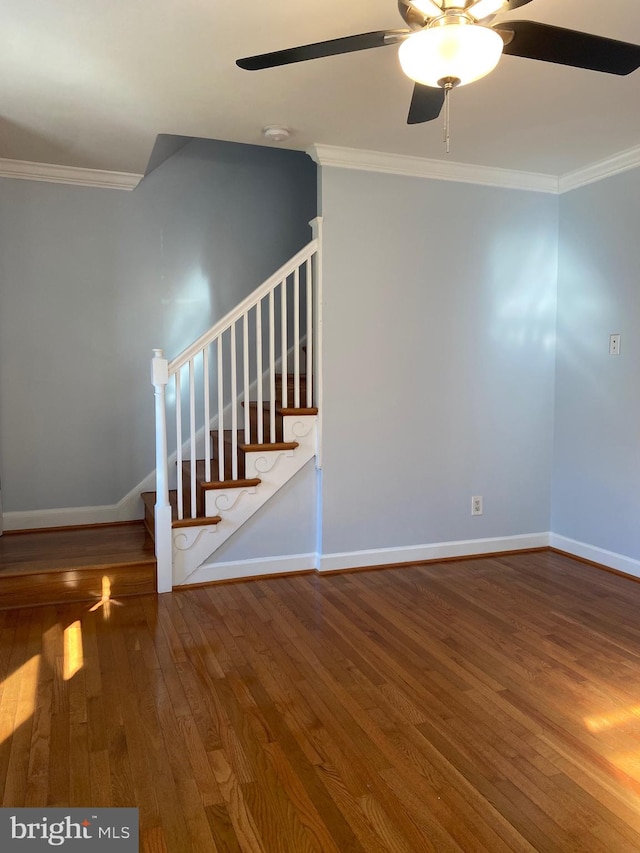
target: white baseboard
232 569
424 553
129 508
413 553
610 559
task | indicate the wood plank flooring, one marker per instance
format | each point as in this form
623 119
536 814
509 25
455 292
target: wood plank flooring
481 705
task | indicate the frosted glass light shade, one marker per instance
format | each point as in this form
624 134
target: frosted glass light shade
464 51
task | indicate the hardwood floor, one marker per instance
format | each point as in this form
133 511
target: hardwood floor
481 705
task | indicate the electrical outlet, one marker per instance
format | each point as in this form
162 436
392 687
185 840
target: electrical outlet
614 344
476 505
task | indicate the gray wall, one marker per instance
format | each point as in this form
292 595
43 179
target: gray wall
92 279
439 324
596 471
440 351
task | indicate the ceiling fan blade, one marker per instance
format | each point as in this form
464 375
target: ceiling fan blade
426 104
333 47
515 4
570 47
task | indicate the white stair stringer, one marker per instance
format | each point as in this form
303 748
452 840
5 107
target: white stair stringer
193 545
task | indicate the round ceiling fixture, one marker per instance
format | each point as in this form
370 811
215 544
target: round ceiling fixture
276 133
463 52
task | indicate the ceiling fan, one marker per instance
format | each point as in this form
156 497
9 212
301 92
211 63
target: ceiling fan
450 43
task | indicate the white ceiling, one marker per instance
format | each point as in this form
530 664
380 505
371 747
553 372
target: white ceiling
91 83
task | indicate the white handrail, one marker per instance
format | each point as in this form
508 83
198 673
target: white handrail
247 303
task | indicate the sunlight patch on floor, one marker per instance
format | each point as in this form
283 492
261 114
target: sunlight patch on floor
73 653
105 601
19 697
613 719
628 763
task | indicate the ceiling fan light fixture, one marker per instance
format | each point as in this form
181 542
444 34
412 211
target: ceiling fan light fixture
464 52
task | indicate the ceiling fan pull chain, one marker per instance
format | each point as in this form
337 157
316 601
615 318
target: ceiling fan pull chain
447 116
447 85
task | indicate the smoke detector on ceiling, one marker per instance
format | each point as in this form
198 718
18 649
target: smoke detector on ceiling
276 133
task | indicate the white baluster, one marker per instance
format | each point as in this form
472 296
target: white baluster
310 342
179 445
162 509
260 411
245 365
272 369
296 338
220 412
207 414
283 341
192 436
234 406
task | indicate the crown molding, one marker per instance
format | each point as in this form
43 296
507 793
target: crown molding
73 175
621 162
362 160
419 167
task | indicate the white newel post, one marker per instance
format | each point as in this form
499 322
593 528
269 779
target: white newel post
159 380
316 231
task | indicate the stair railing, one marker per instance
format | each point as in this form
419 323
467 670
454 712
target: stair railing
215 380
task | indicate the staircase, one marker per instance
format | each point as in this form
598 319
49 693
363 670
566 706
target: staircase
236 418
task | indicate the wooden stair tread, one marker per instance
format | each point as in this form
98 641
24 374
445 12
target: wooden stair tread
149 500
250 447
272 445
62 548
95 564
215 483
199 521
230 484
310 410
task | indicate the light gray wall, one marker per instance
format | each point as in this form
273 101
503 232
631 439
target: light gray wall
92 279
596 471
439 322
